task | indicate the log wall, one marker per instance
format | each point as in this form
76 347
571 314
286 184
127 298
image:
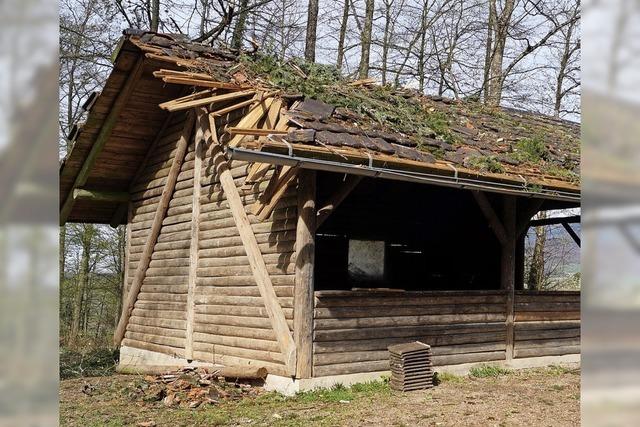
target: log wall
547 323
230 324
352 330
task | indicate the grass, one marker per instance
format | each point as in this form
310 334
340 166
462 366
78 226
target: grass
89 363
486 163
530 149
557 171
488 371
446 377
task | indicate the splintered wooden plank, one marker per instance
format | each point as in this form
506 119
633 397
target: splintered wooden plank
255 131
251 119
205 101
337 198
256 261
161 212
102 138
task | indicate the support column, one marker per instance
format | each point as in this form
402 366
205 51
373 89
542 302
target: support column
304 285
508 268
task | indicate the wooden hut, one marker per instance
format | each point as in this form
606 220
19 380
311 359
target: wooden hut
270 229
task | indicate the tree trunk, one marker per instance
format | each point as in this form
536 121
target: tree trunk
238 31
488 47
155 15
423 46
564 61
386 39
343 33
312 26
365 39
83 280
501 30
535 280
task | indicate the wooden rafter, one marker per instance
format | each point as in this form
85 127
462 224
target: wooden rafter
194 103
161 212
251 119
102 138
349 184
491 216
524 216
254 255
268 200
101 196
571 232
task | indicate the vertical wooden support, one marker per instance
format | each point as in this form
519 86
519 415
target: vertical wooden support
127 251
161 212
508 270
195 229
303 294
256 261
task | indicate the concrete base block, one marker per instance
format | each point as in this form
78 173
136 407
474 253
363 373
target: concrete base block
290 386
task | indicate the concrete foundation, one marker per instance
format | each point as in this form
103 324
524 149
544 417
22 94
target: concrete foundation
289 386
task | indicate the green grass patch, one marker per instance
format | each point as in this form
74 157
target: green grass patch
560 172
530 149
486 163
488 371
557 370
446 377
90 363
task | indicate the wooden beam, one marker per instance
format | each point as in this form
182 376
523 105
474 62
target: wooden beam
102 137
200 140
508 269
285 179
101 196
525 215
491 216
304 286
255 131
251 119
573 219
161 212
572 233
349 184
256 261
177 106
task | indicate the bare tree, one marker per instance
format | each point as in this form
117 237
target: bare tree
312 29
365 40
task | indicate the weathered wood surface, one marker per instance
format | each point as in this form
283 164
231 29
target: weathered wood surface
305 256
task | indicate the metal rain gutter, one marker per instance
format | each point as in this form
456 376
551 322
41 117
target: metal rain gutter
377 172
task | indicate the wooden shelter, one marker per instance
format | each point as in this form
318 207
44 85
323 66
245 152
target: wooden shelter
269 229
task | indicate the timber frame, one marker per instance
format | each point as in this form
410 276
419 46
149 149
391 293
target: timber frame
224 253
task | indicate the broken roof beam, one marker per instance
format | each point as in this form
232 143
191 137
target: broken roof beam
251 119
102 138
177 106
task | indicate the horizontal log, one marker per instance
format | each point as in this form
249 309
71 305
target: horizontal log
551 324
408 298
246 280
169 289
238 310
166 314
235 331
546 333
227 360
229 372
238 342
158 322
383 343
164 263
134 327
351 368
165 280
285 302
407 310
546 351
458 359
547 306
242 270
159 306
273 259
242 291
407 331
256 355
551 342
263 238
265 249
375 322
156 339
546 315
251 322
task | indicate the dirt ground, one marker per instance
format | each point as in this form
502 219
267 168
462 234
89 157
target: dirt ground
536 397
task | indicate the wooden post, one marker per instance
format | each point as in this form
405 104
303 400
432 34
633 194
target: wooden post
256 261
161 212
102 138
195 228
508 270
303 295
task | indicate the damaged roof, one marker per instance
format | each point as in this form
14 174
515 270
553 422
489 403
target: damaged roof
333 118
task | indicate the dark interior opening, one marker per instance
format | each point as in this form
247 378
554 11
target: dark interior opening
432 238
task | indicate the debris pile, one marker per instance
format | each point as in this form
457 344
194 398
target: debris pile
191 387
